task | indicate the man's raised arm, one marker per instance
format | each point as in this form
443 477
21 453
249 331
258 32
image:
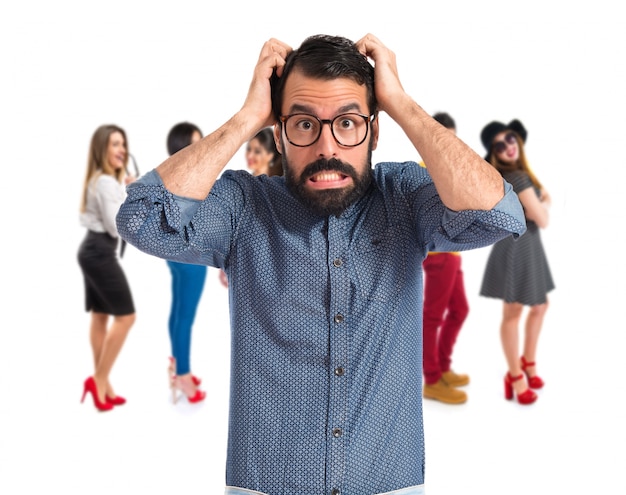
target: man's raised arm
463 179
193 170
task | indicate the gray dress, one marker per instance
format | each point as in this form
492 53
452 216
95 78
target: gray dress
517 269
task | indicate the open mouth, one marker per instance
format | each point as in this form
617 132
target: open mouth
329 179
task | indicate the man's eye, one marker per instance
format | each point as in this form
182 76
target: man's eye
304 125
346 123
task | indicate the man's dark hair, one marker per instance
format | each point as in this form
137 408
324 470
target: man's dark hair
445 120
326 57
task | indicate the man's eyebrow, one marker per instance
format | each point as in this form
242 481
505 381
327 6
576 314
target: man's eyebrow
300 108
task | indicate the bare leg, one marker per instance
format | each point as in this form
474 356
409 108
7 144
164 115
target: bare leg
509 335
111 347
534 322
97 334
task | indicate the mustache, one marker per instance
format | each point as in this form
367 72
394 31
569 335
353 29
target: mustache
332 164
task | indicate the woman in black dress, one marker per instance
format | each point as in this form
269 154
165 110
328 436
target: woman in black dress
517 270
107 293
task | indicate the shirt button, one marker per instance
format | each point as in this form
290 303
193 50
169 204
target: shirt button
337 432
337 263
335 491
340 371
338 318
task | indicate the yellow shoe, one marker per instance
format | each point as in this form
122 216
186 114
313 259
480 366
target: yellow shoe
443 392
455 380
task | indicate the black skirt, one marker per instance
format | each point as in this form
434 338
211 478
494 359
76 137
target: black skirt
106 288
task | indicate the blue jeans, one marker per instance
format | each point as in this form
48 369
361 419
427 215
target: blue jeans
411 490
187 285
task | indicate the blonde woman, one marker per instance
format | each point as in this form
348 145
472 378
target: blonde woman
107 294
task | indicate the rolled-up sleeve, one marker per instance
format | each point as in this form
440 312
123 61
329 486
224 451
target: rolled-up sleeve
479 228
160 223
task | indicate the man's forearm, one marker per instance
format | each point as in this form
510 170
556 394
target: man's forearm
464 180
194 169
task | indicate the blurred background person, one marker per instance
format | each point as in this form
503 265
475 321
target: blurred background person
187 286
262 157
517 271
107 293
445 311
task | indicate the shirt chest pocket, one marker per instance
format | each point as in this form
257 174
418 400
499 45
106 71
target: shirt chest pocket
380 264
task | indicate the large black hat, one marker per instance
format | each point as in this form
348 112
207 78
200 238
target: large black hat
494 128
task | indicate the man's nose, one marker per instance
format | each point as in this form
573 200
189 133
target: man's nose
326 145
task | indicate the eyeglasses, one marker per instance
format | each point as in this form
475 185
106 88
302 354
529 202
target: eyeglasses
348 129
500 146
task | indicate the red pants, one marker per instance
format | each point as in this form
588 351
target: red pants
445 310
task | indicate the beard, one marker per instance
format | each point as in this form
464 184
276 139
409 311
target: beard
328 201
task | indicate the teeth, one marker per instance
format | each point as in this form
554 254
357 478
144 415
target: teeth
327 176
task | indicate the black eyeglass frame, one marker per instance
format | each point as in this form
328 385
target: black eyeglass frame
368 120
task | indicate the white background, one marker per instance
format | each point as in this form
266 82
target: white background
70 66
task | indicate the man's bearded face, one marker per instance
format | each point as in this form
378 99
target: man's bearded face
331 201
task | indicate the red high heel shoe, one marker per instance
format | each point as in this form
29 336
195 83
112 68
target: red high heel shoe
525 398
90 386
198 396
172 369
115 401
533 381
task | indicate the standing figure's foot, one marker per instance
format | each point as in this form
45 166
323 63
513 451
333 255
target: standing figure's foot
443 392
172 371
455 379
515 386
186 385
534 381
90 387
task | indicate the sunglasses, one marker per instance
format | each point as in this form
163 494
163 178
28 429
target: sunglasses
500 146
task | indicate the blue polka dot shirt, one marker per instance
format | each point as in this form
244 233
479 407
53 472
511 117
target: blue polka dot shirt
326 319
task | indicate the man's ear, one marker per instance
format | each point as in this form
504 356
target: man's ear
374 129
277 130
